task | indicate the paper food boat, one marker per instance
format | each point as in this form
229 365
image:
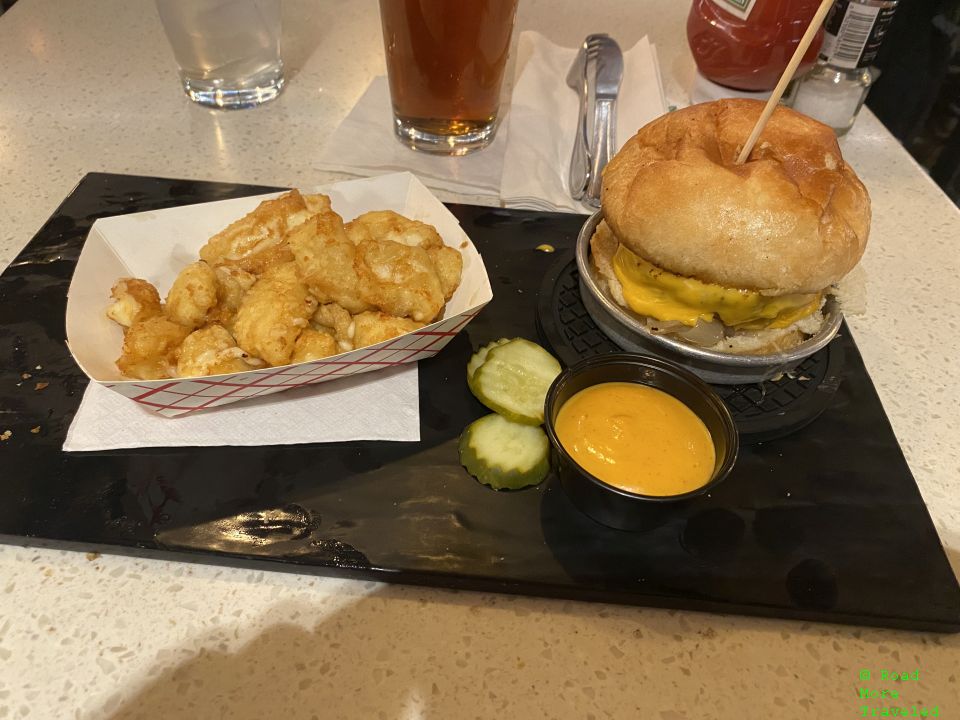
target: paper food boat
156 245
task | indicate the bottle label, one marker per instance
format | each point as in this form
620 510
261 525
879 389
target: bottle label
740 8
853 32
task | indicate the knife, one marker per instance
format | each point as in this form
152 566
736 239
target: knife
609 74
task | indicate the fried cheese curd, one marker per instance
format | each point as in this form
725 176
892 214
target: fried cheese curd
289 282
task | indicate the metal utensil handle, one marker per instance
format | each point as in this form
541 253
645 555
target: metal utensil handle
605 139
580 159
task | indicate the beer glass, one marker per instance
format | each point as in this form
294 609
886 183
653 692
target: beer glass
445 63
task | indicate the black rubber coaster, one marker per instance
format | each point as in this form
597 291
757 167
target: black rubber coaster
763 411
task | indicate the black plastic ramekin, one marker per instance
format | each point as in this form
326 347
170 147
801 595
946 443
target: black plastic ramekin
611 505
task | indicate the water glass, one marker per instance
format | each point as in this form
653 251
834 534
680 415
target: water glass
228 50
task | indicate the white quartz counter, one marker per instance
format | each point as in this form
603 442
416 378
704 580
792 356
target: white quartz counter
91 86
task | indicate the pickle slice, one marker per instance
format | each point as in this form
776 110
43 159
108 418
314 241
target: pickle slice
505 455
513 380
479 357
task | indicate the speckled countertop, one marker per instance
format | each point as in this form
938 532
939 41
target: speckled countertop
92 86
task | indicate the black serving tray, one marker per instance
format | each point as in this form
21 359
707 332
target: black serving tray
824 524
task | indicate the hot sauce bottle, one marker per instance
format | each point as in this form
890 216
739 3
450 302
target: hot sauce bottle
746 44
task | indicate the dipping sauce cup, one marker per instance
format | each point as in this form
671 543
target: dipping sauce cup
614 506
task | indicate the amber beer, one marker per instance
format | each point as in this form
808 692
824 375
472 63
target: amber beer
445 62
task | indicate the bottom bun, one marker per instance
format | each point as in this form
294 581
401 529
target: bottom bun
604 244
761 342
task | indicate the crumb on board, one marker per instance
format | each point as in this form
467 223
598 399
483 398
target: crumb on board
92 555
546 248
35 430
6 435
41 386
25 376
463 245
39 367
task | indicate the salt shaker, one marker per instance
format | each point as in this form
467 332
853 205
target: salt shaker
835 88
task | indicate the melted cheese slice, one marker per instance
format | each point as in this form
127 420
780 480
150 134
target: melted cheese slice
659 294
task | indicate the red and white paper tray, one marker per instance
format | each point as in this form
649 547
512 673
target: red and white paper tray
157 245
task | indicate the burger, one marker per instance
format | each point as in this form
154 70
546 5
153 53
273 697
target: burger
738 259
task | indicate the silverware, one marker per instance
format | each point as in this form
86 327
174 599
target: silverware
579 174
595 75
608 75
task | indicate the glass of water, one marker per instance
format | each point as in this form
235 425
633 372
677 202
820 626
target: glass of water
228 50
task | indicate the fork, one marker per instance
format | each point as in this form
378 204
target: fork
579 176
595 75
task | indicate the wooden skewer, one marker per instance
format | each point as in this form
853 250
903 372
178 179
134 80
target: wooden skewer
784 80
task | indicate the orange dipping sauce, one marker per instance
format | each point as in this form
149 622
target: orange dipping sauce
637 438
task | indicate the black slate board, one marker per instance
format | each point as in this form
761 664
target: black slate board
826 524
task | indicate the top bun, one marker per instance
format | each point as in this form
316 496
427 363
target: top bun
794 218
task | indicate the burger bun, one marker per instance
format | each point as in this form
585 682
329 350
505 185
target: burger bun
793 219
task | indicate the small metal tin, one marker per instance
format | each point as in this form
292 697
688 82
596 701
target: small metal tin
627 330
611 505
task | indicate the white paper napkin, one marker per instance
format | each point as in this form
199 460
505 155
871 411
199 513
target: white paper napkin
364 144
528 161
381 405
543 119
